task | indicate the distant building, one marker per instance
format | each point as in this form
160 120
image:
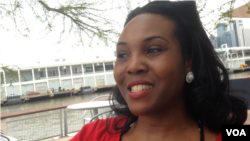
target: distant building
234 36
224 35
213 40
224 38
246 37
238 27
221 29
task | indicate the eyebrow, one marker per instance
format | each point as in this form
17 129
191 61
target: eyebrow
145 40
153 37
121 43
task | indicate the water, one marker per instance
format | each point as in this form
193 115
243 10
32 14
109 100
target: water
78 98
239 74
50 102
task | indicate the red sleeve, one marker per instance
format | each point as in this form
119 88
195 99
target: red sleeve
90 131
219 138
96 131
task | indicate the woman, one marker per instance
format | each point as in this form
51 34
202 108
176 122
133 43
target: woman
168 79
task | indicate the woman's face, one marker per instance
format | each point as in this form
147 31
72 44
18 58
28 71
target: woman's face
149 70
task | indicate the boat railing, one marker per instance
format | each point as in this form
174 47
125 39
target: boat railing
53 77
89 72
109 70
43 123
40 78
65 75
74 74
99 71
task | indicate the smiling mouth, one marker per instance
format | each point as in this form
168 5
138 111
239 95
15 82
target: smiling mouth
139 88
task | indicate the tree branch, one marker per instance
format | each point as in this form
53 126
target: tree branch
74 17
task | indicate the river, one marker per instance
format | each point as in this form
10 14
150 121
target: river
239 74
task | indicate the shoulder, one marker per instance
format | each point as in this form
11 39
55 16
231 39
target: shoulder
219 137
211 135
97 130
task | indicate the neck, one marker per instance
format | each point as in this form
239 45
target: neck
168 120
168 123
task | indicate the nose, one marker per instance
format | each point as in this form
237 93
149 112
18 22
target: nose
137 65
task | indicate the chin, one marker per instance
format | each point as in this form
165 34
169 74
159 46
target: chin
139 110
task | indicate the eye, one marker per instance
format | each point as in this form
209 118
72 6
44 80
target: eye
122 55
154 50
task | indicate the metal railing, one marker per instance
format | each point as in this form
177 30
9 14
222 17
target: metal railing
36 128
56 121
50 77
40 78
89 72
75 74
65 75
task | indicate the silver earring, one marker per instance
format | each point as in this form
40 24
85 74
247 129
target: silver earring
189 77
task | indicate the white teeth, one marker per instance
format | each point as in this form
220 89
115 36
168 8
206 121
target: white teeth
132 90
138 88
135 88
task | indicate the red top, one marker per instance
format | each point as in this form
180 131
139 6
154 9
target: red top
96 131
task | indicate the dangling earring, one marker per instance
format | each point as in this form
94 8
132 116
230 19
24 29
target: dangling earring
189 77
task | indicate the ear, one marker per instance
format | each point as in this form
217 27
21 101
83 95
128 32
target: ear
188 65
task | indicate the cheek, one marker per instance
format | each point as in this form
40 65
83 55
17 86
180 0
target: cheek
170 72
118 73
173 78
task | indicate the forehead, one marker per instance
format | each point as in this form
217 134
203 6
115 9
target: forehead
145 25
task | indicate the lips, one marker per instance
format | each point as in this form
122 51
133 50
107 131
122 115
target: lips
139 94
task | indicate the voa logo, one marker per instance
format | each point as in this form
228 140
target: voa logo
236 132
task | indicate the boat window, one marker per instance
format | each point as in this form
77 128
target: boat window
39 73
76 69
109 66
99 67
1 77
26 75
11 78
88 68
52 72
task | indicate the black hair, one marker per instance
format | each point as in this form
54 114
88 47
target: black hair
207 98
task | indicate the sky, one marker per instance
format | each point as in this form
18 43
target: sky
39 49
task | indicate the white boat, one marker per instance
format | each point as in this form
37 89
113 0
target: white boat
234 57
38 80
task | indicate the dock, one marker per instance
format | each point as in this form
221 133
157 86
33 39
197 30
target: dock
103 87
25 98
241 69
